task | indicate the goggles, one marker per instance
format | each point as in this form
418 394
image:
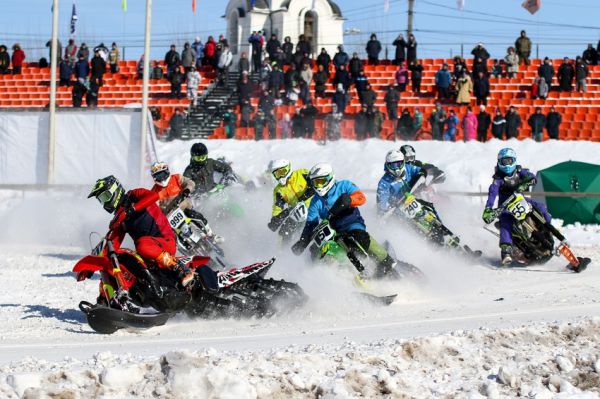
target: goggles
199 158
281 172
105 196
506 161
395 165
320 182
161 176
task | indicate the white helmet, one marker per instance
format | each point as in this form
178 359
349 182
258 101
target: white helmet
281 169
160 173
322 178
394 163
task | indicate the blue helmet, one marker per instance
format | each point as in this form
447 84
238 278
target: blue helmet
507 161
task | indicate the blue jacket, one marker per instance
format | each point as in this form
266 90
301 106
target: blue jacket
504 185
319 210
82 69
391 190
451 123
443 78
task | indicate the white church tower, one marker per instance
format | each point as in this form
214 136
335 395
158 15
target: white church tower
320 21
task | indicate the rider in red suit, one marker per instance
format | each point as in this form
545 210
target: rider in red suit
137 214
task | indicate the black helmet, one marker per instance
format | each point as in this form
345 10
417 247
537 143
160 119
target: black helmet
109 193
199 153
409 153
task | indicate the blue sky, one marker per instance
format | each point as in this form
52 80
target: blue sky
561 27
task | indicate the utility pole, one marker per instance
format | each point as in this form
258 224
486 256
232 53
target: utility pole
145 89
409 27
52 109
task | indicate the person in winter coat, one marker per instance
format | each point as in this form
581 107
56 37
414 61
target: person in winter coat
484 121
285 125
411 49
590 55
360 123
401 78
459 67
553 121
288 50
479 66
18 58
272 44
102 50
321 78
512 63
84 52
546 70
340 58
275 81
58 49
259 123
82 70
177 78
360 84
324 59
391 102
581 73
566 73
416 74
188 57
98 69
400 45
176 124
113 58
290 76
369 97
306 74
210 47
77 94
333 124
298 125
303 45
418 120
496 69
243 64
340 99
255 40
354 66
405 125
443 79
172 59
229 122
198 47
193 81
513 123
373 49
91 97
481 89
65 72
464 86
342 77
523 47
537 122
451 123
540 88
437 120
225 61
469 125
309 114
71 52
498 125
4 60
480 52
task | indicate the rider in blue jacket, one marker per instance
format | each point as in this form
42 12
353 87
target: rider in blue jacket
338 202
398 180
508 179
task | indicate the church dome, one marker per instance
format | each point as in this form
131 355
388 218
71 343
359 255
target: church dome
337 11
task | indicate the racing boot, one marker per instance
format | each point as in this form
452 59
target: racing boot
506 253
185 275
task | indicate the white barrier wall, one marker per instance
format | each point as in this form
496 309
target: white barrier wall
89 144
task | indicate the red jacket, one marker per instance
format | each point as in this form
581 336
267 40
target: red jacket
147 220
209 48
18 57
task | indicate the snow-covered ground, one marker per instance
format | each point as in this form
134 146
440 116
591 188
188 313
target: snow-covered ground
469 331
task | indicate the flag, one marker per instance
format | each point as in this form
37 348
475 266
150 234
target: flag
532 6
73 20
386 5
194 6
460 4
124 5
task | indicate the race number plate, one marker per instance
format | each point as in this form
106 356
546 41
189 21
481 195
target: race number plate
324 235
412 208
519 208
176 218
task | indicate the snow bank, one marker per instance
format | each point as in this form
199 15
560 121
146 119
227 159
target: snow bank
539 361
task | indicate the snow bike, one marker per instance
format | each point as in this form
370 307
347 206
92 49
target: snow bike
129 285
533 238
328 247
193 238
294 220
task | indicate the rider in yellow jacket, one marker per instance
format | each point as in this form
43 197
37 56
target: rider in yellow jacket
291 198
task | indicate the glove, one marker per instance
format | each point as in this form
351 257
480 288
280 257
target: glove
340 205
273 224
217 188
524 186
128 207
186 193
488 215
298 247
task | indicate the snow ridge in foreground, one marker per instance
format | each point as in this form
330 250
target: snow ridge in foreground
542 361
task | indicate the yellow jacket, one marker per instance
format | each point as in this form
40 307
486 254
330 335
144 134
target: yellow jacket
292 192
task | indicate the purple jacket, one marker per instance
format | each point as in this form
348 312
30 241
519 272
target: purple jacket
504 186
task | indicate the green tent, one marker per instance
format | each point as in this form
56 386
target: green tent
569 177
